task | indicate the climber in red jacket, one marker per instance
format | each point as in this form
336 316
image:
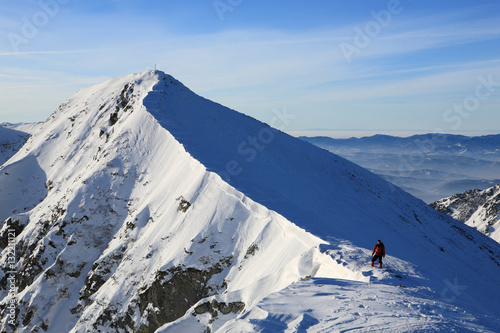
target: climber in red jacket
379 251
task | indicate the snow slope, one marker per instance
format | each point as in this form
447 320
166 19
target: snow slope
336 305
106 241
478 209
11 141
429 166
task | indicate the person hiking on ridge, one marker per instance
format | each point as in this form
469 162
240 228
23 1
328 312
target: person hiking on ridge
379 251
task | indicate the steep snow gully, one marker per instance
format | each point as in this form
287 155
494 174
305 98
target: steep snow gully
139 206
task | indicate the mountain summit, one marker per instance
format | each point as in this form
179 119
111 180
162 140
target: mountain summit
139 206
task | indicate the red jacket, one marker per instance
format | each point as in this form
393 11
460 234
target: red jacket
379 249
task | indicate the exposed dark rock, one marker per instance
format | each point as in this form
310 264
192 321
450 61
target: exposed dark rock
113 118
184 205
175 291
17 228
95 279
224 308
251 250
126 96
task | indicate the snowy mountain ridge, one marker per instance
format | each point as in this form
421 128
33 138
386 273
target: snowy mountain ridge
126 220
479 209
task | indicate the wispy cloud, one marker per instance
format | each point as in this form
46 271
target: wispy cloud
53 52
418 35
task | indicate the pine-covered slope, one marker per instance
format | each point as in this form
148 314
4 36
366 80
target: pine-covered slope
139 205
478 209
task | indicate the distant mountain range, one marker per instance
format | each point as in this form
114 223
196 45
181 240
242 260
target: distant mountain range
429 166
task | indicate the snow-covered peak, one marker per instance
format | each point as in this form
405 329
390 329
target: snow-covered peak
479 209
139 203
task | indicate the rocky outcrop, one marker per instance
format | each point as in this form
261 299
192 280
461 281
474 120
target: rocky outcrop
476 208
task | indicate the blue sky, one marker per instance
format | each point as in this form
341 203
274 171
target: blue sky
340 68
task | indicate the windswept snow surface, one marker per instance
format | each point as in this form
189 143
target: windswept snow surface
103 244
336 305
